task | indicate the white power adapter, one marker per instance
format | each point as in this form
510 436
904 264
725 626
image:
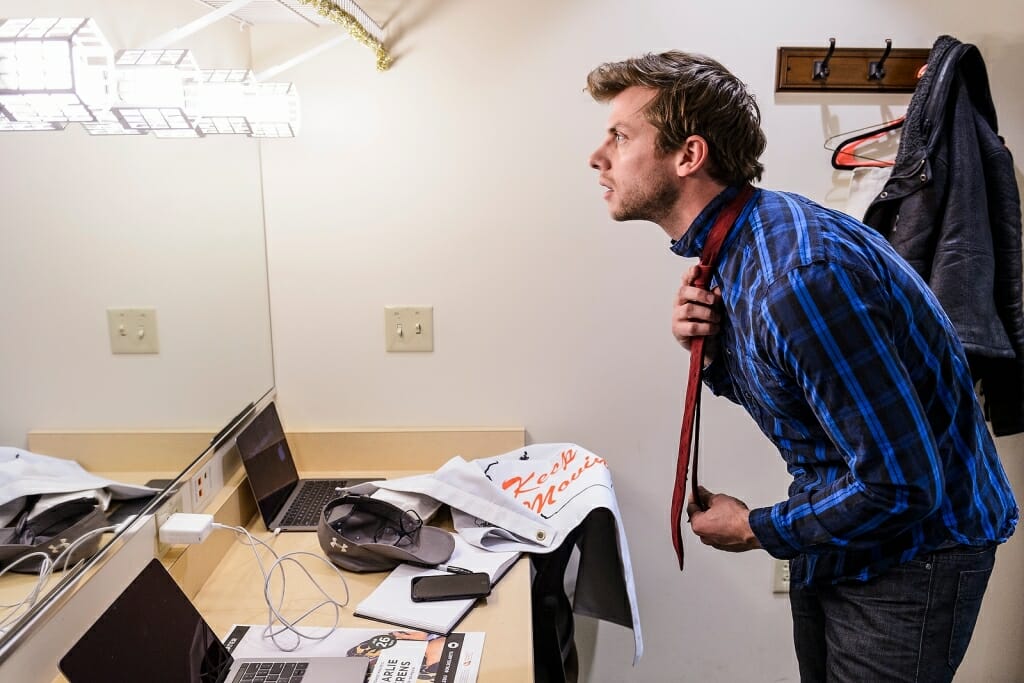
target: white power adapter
183 527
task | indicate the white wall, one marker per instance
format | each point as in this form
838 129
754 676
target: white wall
459 179
90 223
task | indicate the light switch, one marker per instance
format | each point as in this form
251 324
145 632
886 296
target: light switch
132 330
409 328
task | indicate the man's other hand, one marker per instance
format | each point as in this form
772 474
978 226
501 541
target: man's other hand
723 524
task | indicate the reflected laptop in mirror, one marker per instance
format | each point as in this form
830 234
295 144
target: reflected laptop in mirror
285 501
152 632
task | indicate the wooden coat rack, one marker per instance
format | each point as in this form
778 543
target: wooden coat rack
849 69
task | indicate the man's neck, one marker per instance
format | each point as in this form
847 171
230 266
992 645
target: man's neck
695 195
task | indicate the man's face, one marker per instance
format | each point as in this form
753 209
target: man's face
640 182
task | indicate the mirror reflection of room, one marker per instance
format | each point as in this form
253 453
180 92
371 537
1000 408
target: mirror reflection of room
98 229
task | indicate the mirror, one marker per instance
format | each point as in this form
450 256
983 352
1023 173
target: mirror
92 223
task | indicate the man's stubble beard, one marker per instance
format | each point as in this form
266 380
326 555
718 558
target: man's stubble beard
651 199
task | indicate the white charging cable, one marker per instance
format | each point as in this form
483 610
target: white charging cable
278 624
18 608
47 565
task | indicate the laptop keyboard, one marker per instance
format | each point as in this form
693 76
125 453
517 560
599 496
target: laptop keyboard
267 672
314 495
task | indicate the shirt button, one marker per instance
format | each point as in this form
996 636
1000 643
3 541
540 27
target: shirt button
541 535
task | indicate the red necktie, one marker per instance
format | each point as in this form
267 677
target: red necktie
689 437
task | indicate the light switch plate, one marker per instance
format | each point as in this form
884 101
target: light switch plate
133 330
409 328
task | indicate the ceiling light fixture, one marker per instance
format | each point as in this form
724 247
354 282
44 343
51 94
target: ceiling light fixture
57 71
53 70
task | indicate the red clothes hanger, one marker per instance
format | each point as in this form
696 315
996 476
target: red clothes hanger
845 156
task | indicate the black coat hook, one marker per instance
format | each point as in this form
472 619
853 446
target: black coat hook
876 70
821 66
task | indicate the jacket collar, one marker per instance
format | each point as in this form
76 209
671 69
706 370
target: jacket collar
949 62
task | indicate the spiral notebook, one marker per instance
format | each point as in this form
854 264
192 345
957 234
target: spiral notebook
391 601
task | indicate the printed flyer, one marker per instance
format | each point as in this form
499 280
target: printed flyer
396 656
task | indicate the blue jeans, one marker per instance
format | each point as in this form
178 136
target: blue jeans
912 623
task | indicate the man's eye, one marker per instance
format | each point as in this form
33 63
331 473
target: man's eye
618 137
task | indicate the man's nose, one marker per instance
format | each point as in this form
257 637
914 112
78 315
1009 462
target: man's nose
598 161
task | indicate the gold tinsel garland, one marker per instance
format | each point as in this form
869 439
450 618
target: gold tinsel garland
330 10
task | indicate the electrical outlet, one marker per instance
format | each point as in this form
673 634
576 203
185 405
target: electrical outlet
204 484
780 576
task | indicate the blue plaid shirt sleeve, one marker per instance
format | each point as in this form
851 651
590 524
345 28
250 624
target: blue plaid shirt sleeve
828 329
717 379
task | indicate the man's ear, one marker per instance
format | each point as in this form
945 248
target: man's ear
692 156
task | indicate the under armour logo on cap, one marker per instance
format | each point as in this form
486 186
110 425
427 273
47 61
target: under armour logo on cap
63 545
343 547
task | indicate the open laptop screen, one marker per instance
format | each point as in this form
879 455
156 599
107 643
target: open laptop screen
268 462
152 633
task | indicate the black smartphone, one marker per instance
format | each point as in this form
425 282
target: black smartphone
450 586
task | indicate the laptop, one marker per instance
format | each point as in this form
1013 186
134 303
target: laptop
286 502
152 632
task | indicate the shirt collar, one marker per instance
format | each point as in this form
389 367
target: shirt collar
692 242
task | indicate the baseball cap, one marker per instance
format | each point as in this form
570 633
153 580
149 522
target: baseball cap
364 534
53 531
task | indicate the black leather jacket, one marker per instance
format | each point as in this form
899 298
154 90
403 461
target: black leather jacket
951 208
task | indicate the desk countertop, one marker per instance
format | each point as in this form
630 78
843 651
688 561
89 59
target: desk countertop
233 594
